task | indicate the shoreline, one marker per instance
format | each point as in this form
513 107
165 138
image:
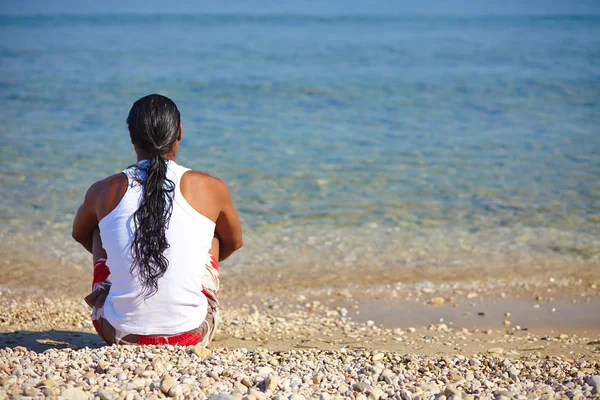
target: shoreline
522 313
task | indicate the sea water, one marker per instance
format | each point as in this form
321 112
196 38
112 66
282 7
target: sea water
346 139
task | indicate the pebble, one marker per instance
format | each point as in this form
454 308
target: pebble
138 383
437 301
166 383
221 396
47 383
271 383
594 382
104 395
246 382
265 371
74 394
361 387
202 352
176 390
451 391
257 394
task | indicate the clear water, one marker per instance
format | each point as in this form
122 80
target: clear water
378 135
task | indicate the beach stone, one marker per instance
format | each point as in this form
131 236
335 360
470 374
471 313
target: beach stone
202 352
221 396
138 383
9 380
74 394
257 394
375 394
271 382
204 382
29 390
246 382
361 387
49 392
437 301
17 371
430 387
594 382
240 387
296 396
104 395
378 356
406 394
175 390
132 395
265 371
514 374
166 383
47 383
451 390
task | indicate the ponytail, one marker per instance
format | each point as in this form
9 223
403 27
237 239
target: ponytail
154 126
151 220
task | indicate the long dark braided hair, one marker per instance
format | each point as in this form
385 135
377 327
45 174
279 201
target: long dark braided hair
154 124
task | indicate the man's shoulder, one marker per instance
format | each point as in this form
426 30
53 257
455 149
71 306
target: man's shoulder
109 184
202 177
203 181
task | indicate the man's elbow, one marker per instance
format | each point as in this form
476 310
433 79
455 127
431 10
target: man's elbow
237 244
77 236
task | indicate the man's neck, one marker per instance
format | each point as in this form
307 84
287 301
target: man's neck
167 156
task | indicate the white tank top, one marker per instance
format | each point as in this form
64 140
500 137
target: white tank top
179 305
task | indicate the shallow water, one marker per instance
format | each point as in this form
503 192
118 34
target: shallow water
391 138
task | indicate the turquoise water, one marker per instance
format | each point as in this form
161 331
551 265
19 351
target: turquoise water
334 132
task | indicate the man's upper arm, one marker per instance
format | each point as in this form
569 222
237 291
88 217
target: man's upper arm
86 219
228 226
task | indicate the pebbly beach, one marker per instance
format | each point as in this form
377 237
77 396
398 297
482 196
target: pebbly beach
439 340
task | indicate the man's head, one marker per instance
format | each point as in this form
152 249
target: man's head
154 125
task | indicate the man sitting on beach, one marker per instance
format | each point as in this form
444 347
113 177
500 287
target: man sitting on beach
156 231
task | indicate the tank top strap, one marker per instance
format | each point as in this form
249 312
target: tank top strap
136 171
175 172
